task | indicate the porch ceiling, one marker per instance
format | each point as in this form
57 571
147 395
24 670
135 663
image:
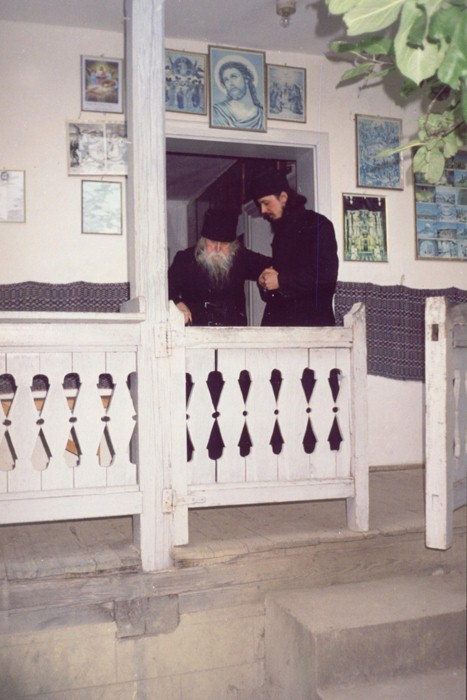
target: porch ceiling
244 23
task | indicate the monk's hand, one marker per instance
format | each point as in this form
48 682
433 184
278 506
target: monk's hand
269 279
185 311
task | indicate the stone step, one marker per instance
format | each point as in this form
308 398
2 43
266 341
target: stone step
441 685
364 632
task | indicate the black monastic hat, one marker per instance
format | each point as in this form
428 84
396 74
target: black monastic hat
273 182
220 225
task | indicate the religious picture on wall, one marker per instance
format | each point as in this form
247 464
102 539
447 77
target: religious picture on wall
185 82
441 212
101 207
286 90
101 84
374 135
237 89
12 196
365 228
97 148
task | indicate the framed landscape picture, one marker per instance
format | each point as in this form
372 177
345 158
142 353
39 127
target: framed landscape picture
101 207
441 213
237 89
101 84
286 92
185 82
365 228
375 134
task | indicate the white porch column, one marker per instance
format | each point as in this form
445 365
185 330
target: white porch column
147 255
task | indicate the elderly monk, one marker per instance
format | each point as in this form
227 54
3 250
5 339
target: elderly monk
207 281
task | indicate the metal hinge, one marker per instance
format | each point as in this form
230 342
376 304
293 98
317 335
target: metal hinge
171 499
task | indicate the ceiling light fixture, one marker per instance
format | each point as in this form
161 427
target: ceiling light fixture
285 9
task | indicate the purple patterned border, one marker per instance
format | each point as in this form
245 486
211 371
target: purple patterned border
394 315
395 325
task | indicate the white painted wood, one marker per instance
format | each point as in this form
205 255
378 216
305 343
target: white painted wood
279 337
293 462
94 332
322 361
56 415
70 506
291 474
358 506
121 414
231 468
262 464
87 413
6 459
201 469
178 413
344 414
270 492
23 429
148 262
446 423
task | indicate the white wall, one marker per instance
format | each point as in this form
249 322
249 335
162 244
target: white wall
40 88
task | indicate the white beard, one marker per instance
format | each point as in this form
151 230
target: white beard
216 264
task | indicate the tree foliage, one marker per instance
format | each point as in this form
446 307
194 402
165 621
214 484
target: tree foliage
425 43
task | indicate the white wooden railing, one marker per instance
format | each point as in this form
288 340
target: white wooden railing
446 417
68 416
256 415
272 415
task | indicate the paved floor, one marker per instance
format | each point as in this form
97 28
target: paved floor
73 548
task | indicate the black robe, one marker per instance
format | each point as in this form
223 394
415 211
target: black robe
304 253
211 304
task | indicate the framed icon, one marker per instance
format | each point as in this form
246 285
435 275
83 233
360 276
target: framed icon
365 228
374 135
286 92
185 82
101 84
237 88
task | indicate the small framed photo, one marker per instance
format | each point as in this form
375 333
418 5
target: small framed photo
185 82
97 148
237 89
441 212
12 196
375 134
365 228
286 91
101 84
101 207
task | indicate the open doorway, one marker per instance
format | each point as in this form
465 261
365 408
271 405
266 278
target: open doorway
209 174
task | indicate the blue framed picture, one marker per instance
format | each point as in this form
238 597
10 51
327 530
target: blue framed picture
185 82
237 89
441 212
286 87
375 134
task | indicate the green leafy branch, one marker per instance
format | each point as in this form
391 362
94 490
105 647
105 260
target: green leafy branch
425 43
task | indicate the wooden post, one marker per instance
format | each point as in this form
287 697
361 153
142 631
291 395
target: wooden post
358 506
147 254
438 477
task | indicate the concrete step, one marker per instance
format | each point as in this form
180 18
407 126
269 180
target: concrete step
363 633
441 685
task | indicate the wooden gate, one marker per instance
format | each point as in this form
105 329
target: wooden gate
446 417
272 415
